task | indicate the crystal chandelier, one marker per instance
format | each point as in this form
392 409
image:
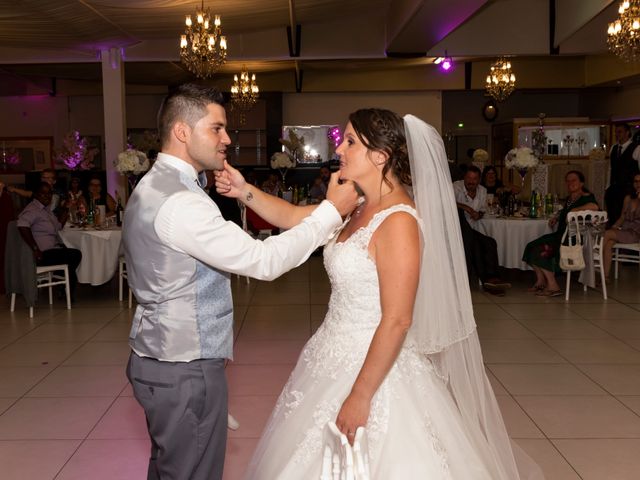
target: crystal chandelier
244 92
203 48
623 35
501 81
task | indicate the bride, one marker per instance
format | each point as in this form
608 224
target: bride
398 352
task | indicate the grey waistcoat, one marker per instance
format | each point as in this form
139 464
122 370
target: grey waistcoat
185 310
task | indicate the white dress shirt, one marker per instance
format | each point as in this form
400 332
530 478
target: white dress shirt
478 203
191 223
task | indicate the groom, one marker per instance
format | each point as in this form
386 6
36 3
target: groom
179 250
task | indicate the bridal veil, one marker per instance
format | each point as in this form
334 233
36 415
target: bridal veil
443 326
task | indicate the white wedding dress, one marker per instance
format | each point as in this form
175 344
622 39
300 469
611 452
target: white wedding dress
415 429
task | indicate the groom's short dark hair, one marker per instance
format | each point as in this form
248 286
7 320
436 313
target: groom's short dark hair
187 103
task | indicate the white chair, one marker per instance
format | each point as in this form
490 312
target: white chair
337 455
25 277
122 275
49 277
619 256
587 227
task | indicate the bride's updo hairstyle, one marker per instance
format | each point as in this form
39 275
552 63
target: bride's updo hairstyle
383 131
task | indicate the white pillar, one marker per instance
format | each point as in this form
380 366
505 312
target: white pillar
115 128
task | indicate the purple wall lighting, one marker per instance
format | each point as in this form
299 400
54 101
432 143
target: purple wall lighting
445 63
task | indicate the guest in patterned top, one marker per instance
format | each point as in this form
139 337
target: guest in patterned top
627 228
543 254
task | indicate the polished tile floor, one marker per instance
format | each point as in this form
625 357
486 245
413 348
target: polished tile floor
567 376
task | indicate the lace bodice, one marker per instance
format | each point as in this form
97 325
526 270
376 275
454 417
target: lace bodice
355 296
354 306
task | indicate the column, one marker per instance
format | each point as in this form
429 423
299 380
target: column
115 128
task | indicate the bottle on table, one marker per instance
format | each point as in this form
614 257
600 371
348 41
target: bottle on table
119 210
533 207
91 214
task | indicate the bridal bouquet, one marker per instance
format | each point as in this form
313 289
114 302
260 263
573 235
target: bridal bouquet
521 158
132 162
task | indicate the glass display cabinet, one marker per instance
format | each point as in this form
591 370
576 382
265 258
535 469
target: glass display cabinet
567 144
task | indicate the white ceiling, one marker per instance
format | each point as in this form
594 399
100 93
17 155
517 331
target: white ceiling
62 38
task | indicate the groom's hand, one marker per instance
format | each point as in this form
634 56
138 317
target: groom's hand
229 182
343 195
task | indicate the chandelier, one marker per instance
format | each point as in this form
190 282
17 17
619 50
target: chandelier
623 35
203 48
244 92
501 81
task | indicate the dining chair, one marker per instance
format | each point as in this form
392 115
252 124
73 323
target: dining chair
23 276
622 256
122 276
587 228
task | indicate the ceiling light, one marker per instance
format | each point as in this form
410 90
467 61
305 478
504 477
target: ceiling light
203 48
623 35
501 81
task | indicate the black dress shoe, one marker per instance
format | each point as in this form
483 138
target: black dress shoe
497 291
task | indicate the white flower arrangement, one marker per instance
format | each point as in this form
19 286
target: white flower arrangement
597 154
132 162
281 160
480 155
521 158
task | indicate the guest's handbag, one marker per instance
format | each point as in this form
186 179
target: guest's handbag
571 257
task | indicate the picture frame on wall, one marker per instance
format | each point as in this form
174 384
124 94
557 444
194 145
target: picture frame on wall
24 154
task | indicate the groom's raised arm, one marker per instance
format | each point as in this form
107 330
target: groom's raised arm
277 211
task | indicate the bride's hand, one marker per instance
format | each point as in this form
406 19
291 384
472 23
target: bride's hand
229 182
353 414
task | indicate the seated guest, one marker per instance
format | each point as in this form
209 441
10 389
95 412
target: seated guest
490 180
48 175
493 184
271 185
471 197
626 229
39 228
318 190
75 197
99 196
543 254
481 251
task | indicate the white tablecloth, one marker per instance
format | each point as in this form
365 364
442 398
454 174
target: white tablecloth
512 235
100 251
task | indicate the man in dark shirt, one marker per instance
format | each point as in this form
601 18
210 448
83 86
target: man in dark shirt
625 156
39 228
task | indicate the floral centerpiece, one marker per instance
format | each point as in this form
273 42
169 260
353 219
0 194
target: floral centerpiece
132 163
283 162
75 153
521 159
480 156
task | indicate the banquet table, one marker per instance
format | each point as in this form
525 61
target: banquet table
100 251
512 234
